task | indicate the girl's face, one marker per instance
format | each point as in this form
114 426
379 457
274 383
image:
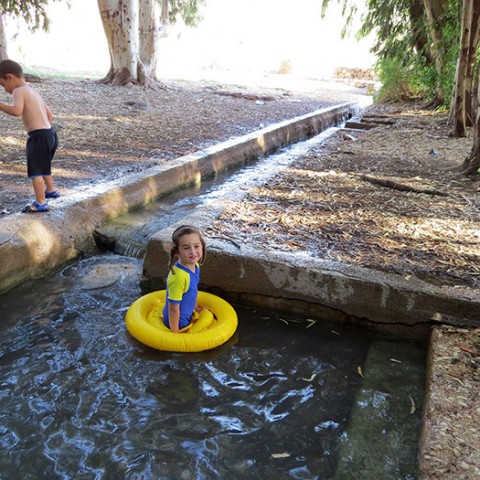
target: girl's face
190 250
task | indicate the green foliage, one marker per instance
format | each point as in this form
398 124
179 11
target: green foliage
349 12
392 25
32 11
188 10
35 15
406 63
450 50
403 81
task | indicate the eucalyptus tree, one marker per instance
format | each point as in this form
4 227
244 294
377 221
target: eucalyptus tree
463 105
410 44
471 165
3 39
441 19
32 11
133 29
468 51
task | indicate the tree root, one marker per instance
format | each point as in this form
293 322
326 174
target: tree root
470 170
246 96
401 186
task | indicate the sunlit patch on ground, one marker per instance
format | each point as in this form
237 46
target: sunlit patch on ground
324 205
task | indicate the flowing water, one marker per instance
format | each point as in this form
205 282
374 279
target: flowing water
285 398
128 234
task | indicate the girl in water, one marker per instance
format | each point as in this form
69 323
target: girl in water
187 254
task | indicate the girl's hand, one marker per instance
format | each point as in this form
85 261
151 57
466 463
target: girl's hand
200 309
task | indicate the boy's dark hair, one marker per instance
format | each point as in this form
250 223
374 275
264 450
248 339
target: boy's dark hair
9 66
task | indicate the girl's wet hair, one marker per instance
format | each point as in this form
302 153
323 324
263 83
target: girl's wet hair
176 236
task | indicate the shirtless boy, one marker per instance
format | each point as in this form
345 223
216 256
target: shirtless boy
42 139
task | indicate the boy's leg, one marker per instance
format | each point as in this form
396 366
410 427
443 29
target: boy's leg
40 204
39 189
40 150
49 183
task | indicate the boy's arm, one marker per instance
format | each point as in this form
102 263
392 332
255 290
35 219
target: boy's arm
16 109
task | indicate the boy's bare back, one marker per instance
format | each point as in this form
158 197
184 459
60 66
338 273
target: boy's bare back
27 103
34 112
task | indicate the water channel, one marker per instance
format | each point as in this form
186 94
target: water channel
286 398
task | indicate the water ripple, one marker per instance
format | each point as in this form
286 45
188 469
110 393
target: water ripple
81 399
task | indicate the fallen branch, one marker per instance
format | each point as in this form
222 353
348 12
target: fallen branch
401 186
360 125
246 96
220 237
381 120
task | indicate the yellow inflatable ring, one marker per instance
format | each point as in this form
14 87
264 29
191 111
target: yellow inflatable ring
212 328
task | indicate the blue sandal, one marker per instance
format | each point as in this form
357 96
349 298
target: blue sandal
53 194
35 207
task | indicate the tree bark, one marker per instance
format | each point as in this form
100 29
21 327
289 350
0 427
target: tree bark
165 17
132 31
472 162
458 110
3 39
470 102
420 39
149 35
434 10
462 107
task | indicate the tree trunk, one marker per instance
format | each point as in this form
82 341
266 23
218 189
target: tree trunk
458 112
3 39
416 11
165 17
434 10
472 162
149 34
462 108
470 102
131 28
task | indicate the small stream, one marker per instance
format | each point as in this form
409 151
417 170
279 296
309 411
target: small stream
284 398
128 234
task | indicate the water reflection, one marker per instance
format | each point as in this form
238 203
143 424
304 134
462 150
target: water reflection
81 399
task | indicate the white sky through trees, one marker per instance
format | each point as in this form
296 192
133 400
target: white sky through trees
237 37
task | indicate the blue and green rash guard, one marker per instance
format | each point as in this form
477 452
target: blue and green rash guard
182 288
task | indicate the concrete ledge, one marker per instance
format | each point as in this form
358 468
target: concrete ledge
300 284
33 245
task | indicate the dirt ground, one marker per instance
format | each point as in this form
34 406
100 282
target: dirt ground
389 199
452 414
107 132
